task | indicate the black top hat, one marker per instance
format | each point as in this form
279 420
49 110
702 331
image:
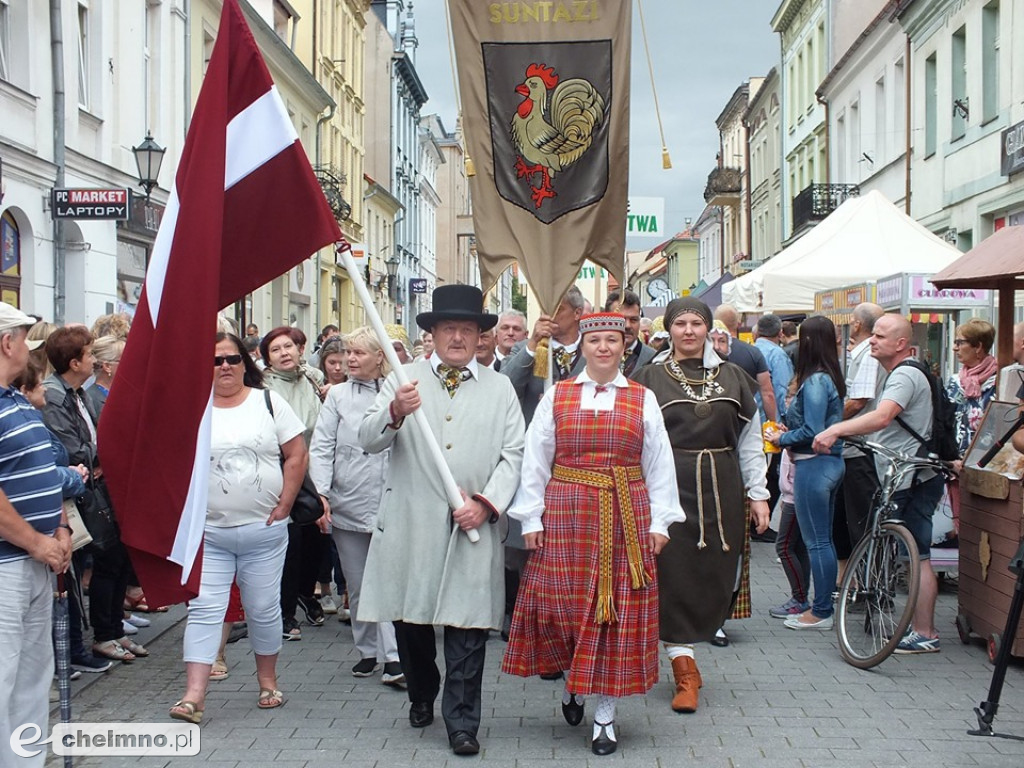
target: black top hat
457 302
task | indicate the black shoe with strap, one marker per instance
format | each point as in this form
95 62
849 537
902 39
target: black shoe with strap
603 744
573 711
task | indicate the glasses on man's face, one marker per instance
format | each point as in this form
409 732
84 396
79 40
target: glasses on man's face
960 342
219 360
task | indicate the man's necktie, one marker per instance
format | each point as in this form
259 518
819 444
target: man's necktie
563 360
628 362
451 377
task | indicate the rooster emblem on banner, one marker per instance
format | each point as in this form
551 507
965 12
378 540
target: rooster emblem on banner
553 127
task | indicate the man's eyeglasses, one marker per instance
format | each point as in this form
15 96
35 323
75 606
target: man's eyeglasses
219 360
960 342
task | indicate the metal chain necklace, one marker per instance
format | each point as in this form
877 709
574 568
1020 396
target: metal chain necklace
709 387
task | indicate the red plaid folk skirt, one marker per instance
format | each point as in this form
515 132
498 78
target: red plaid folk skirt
741 606
553 625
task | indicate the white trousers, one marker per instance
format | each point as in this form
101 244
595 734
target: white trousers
252 555
372 640
26 657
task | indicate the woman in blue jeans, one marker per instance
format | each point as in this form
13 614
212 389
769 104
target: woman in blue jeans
818 405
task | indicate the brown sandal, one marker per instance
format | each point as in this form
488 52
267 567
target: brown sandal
219 670
187 711
113 650
270 699
134 648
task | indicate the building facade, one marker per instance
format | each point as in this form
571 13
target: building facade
729 184
77 270
708 229
763 120
802 26
407 96
866 97
968 103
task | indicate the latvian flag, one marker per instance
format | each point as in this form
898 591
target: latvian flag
245 208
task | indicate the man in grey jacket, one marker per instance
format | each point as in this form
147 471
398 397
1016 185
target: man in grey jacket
422 570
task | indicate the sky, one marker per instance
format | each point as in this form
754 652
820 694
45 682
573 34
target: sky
701 52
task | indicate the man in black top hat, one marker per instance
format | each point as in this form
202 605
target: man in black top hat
422 570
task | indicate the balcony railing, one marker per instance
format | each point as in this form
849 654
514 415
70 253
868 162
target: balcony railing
723 187
332 182
819 200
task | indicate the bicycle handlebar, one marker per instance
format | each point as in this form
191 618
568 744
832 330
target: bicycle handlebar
899 458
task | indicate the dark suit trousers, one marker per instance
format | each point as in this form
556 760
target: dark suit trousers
464 651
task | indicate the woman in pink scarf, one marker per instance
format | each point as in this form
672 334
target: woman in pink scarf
974 386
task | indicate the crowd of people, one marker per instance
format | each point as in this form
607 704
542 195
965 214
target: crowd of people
607 466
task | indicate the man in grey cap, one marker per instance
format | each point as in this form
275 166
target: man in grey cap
35 541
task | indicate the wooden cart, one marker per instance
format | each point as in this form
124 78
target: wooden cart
991 529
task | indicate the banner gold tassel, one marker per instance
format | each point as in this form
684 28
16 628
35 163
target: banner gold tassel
666 161
540 359
470 168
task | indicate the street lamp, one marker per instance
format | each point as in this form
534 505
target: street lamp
392 262
148 157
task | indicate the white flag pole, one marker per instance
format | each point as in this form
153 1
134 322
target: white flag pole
344 250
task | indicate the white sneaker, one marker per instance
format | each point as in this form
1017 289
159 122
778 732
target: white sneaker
344 615
328 604
129 629
138 621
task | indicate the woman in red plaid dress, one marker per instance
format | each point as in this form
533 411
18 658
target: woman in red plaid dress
597 497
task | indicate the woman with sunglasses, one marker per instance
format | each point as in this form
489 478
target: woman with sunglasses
250 495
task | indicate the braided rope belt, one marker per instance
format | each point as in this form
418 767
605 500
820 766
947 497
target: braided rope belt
611 482
709 453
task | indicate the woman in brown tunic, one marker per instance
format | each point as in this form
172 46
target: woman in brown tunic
715 431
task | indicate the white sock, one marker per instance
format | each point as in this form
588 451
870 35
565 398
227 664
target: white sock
675 650
604 715
567 697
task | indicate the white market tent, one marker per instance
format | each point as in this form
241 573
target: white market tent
864 239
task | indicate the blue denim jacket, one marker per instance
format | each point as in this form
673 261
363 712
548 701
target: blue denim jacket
816 407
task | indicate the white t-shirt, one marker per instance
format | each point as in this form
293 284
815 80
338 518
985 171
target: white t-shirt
245 459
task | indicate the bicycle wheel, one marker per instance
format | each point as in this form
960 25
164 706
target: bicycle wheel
877 595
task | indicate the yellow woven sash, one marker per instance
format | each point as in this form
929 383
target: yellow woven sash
612 482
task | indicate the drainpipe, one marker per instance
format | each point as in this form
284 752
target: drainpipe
59 248
746 198
828 138
906 120
187 110
319 125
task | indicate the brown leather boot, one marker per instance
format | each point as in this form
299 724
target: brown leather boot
688 683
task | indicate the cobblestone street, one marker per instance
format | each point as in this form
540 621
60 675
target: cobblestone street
774 697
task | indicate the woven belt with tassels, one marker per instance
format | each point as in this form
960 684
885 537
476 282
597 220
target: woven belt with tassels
710 454
612 482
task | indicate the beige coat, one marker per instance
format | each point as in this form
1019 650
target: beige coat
420 568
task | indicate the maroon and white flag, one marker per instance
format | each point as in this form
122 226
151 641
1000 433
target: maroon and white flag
245 207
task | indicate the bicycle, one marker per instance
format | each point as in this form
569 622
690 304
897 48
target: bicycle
874 605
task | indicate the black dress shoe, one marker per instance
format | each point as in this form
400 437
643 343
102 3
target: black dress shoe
552 675
768 537
464 743
573 711
603 745
720 640
421 714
